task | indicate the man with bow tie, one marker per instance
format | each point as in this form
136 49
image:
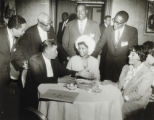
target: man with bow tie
9 39
119 39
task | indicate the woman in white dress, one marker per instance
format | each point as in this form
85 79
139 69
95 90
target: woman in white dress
85 45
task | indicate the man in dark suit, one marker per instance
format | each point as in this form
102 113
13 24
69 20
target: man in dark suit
106 24
30 43
9 39
62 26
62 55
78 27
119 38
44 68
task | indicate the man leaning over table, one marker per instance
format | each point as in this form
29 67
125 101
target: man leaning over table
44 68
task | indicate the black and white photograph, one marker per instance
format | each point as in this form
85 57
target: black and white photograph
76 59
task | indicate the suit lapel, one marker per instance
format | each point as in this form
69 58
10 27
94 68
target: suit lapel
54 67
42 65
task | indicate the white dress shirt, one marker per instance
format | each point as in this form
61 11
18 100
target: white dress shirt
64 24
82 25
11 38
48 66
118 34
42 33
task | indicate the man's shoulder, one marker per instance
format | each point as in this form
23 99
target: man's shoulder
31 28
36 57
130 28
109 29
72 22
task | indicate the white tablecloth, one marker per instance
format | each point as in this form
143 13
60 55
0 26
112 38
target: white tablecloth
87 106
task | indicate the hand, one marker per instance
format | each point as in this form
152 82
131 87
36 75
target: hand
86 74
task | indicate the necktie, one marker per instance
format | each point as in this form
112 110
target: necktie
64 24
81 27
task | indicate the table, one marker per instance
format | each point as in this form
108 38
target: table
106 105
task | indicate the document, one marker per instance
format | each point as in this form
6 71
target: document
60 95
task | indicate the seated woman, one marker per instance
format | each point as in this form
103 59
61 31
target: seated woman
149 50
150 63
135 82
45 68
85 45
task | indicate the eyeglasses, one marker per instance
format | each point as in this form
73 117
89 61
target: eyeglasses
46 25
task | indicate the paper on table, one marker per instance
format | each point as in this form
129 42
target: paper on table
60 95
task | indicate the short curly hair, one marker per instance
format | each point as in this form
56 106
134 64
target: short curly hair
16 21
148 46
140 51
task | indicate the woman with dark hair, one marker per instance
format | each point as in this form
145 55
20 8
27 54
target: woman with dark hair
149 50
135 82
150 63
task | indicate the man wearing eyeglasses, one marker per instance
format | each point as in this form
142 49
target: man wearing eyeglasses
30 43
119 38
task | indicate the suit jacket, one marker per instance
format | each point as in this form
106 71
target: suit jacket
7 56
60 32
103 52
116 56
72 32
30 43
138 89
37 74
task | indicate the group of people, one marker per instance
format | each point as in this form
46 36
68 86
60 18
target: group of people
93 52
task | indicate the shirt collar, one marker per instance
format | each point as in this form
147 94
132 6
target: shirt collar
45 58
83 21
40 29
11 37
105 25
66 21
